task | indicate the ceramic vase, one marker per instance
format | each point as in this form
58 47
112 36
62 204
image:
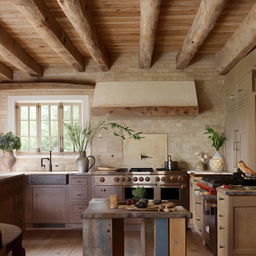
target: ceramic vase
8 160
217 162
82 162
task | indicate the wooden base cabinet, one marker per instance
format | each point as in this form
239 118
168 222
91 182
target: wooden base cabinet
236 225
47 204
12 201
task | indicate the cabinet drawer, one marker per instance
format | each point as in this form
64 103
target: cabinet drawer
106 191
79 194
76 181
78 208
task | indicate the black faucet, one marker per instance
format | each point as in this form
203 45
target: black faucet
50 161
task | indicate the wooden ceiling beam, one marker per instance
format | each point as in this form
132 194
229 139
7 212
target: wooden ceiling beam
39 15
78 16
11 50
240 43
6 72
149 14
205 20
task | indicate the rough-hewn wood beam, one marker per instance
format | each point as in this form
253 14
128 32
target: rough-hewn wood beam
77 14
5 72
205 20
239 44
149 13
39 15
11 50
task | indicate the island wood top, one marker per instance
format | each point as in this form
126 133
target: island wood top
91 213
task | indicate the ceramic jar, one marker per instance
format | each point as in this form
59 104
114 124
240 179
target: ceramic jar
82 162
217 162
8 160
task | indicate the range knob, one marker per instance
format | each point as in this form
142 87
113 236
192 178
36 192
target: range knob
123 179
102 179
163 179
180 178
172 179
116 179
147 179
141 179
129 179
157 178
135 178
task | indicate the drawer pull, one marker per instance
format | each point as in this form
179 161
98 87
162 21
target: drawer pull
221 247
81 208
198 219
79 194
221 228
103 190
221 215
198 203
221 198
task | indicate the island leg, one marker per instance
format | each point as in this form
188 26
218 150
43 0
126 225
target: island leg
161 237
103 237
177 237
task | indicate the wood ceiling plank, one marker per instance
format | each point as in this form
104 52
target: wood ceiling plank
149 14
44 22
203 23
239 44
11 50
6 72
78 16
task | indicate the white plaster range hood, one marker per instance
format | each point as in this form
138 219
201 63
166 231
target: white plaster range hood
154 98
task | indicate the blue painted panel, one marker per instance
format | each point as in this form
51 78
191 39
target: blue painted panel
162 237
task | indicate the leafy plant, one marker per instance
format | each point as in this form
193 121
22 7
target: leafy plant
216 138
139 192
9 141
82 137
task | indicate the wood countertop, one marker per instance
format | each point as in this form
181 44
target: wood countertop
91 213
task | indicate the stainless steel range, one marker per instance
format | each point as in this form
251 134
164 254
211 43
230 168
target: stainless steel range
159 184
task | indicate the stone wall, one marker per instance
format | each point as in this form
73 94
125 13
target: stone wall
185 134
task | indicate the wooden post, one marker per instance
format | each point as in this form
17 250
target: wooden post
177 237
103 237
147 237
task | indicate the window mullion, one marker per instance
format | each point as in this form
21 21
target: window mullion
61 127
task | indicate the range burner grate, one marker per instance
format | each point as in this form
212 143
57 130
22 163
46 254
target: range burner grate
141 170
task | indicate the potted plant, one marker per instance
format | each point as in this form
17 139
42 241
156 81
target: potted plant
139 193
8 143
217 139
81 138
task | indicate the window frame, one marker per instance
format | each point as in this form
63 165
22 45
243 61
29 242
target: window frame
82 100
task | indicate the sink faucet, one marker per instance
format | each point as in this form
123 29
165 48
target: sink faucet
50 161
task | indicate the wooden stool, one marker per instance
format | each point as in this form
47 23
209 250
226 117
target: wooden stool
11 240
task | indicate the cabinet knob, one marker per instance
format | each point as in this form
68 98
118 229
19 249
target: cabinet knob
103 190
102 179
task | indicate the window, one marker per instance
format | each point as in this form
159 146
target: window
41 125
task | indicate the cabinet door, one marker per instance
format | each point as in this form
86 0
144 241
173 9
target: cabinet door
49 204
106 191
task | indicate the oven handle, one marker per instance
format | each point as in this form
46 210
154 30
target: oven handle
141 185
173 186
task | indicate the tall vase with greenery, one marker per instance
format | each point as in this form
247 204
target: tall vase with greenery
8 143
82 137
217 139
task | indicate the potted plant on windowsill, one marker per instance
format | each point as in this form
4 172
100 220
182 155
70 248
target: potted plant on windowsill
217 139
8 143
81 138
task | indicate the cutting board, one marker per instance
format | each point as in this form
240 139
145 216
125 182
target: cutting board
149 208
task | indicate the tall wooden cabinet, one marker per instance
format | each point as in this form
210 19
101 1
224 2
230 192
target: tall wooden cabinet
240 122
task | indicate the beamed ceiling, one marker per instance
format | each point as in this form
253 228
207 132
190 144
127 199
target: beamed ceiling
37 33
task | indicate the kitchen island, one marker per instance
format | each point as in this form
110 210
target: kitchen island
164 233
236 221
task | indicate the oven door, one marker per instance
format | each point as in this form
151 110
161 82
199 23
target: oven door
150 192
176 194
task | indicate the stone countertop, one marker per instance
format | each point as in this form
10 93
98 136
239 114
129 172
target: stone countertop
3 174
202 173
237 192
8 176
91 213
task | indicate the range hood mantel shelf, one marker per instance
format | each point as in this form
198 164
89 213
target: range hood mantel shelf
147 98
146 111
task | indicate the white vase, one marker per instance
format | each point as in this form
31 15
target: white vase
8 160
217 162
